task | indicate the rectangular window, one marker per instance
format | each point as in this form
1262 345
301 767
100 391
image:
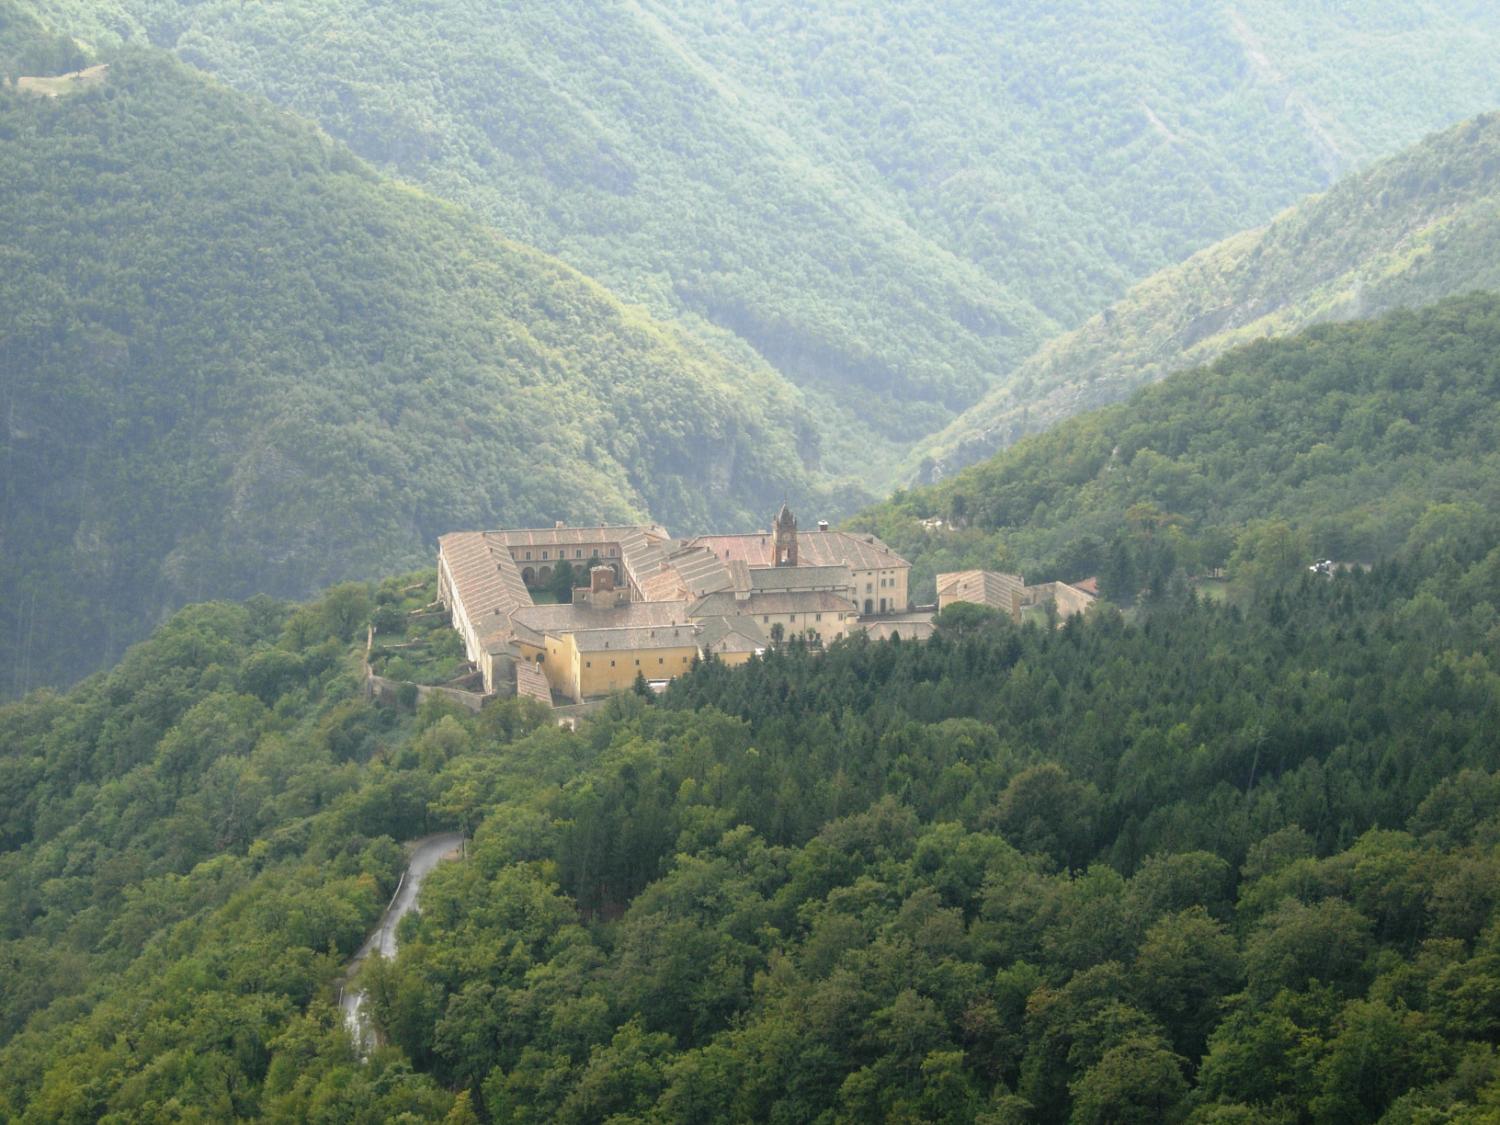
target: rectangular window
528 554
661 659
766 620
544 554
578 554
614 551
817 617
637 661
588 663
611 663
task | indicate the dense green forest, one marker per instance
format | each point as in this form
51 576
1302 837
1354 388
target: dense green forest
234 359
1415 228
1341 442
1218 862
891 206
1222 850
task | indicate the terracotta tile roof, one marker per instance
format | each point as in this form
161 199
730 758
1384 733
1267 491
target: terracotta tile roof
642 554
486 581
558 536
801 578
664 585
702 571
777 601
626 640
857 551
531 683
534 622
732 634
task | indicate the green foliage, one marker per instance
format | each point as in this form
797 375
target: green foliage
1412 230
236 360
1351 442
890 209
1232 862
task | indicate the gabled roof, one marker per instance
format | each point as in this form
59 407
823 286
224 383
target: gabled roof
702 571
531 683
857 551
561 536
683 635
487 582
982 587
778 601
642 554
800 578
732 634
535 622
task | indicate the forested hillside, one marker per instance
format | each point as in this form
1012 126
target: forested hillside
234 359
1339 442
1415 228
891 206
1239 863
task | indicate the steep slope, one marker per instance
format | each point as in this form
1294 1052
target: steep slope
1413 229
1337 442
234 359
891 206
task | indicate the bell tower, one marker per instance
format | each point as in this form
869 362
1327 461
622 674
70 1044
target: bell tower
784 537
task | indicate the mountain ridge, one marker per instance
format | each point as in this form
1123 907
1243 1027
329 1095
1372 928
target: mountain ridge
1422 225
1333 442
890 210
291 370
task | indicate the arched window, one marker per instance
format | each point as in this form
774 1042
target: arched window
528 576
545 576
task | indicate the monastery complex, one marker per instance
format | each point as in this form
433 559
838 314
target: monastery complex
650 604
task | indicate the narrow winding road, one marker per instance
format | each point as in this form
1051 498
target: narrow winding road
425 854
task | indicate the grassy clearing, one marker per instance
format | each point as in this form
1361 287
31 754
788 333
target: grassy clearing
62 85
414 641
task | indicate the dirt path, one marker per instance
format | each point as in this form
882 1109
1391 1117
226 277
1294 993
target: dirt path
425 854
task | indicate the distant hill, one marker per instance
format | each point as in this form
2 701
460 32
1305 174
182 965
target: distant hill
235 359
1346 441
891 206
1418 227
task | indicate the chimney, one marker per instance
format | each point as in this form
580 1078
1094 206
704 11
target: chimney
822 525
558 524
601 580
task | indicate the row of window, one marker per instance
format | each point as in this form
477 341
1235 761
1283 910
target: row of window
660 660
577 553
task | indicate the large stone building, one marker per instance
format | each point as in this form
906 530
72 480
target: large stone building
1009 593
650 603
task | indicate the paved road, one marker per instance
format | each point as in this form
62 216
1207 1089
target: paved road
425 854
